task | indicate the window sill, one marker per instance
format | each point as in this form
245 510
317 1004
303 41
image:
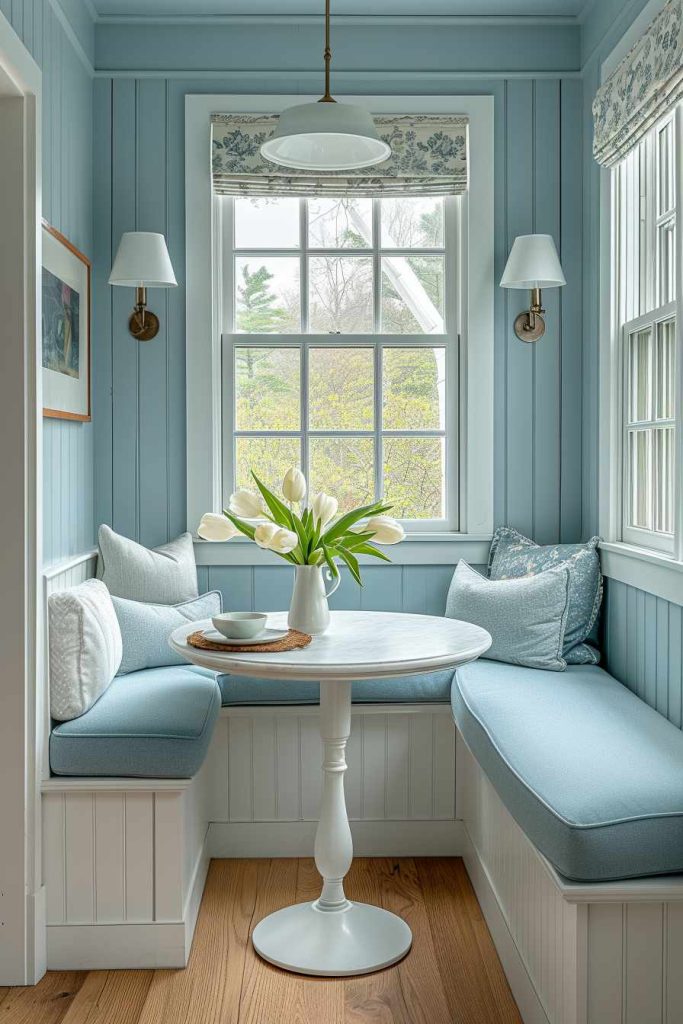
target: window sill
417 549
651 571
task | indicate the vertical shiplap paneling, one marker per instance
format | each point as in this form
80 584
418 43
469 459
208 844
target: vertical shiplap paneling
519 159
67 204
643 646
153 407
530 185
590 306
110 857
103 296
546 356
139 856
125 349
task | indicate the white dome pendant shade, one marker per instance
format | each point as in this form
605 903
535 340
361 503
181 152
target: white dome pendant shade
325 136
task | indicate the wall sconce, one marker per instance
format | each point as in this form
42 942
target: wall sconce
142 262
533 263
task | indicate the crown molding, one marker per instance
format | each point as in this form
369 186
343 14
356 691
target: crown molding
288 77
343 20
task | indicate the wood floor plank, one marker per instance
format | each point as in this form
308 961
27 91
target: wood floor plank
372 998
473 979
418 972
321 999
451 976
86 998
119 1001
45 1003
208 990
268 990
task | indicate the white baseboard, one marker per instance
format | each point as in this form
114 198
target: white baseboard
370 838
74 947
523 990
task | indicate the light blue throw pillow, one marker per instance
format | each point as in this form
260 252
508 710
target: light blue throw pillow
525 617
145 629
513 556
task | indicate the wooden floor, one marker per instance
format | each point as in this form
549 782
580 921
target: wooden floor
451 976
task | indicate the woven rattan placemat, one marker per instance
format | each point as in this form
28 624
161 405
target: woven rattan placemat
290 642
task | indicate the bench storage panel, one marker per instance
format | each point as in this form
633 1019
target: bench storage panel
595 953
123 852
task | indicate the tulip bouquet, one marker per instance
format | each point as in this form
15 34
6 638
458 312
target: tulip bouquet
313 535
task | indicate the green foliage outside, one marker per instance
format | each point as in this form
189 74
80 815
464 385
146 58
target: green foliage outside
341 380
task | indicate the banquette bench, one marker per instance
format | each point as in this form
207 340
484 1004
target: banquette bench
562 791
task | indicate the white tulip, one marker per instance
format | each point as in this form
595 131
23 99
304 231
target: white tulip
216 527
283 541
324 508
385 530
264 533
294 485
246 504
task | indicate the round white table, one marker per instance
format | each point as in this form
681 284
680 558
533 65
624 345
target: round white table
334 936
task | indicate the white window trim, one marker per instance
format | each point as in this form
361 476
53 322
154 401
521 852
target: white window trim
203 401
653 571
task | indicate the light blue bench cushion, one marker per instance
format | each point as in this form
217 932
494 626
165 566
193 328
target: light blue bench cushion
590 772
430 687
156 723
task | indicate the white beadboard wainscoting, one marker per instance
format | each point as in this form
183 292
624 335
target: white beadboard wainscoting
574 953
264 764
124 864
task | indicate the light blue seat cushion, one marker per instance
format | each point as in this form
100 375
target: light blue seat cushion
590 772
429 687
151 724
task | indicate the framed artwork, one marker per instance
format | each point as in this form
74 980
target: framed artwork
65 328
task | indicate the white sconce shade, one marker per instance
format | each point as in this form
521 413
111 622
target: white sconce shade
325 137
142 261
533 263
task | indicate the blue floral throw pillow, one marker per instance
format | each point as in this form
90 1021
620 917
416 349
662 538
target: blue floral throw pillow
513 555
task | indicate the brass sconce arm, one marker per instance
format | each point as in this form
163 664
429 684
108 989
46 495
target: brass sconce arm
530 325
143 324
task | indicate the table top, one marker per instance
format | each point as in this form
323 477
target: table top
357 645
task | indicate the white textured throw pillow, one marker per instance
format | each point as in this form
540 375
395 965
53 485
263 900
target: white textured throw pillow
85 648
163 575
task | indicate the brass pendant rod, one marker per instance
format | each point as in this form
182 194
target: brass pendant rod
327 98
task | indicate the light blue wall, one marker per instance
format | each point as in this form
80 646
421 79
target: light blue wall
139 182
67 204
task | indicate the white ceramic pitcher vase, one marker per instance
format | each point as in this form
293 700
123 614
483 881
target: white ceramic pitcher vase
309 612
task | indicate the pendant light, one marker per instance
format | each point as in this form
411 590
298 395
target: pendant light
325 136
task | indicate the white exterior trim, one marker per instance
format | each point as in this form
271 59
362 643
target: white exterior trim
204 324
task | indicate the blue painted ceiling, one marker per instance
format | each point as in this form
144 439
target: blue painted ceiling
485 8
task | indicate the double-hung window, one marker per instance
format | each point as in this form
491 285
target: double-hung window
646 278
341 349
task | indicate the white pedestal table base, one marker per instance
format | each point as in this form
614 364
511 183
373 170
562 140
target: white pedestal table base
334 936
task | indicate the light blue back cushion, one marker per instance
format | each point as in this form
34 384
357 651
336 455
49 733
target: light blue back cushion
513 555
145 629
526 618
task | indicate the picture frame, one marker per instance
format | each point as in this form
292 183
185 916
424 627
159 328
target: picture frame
65 328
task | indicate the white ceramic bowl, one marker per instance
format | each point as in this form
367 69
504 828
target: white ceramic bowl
240 625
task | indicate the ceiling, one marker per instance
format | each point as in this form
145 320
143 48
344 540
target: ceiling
203 8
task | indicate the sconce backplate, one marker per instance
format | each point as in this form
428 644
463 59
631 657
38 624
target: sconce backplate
143 326
525 331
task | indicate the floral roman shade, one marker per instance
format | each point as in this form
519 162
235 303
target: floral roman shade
428 157
647 83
